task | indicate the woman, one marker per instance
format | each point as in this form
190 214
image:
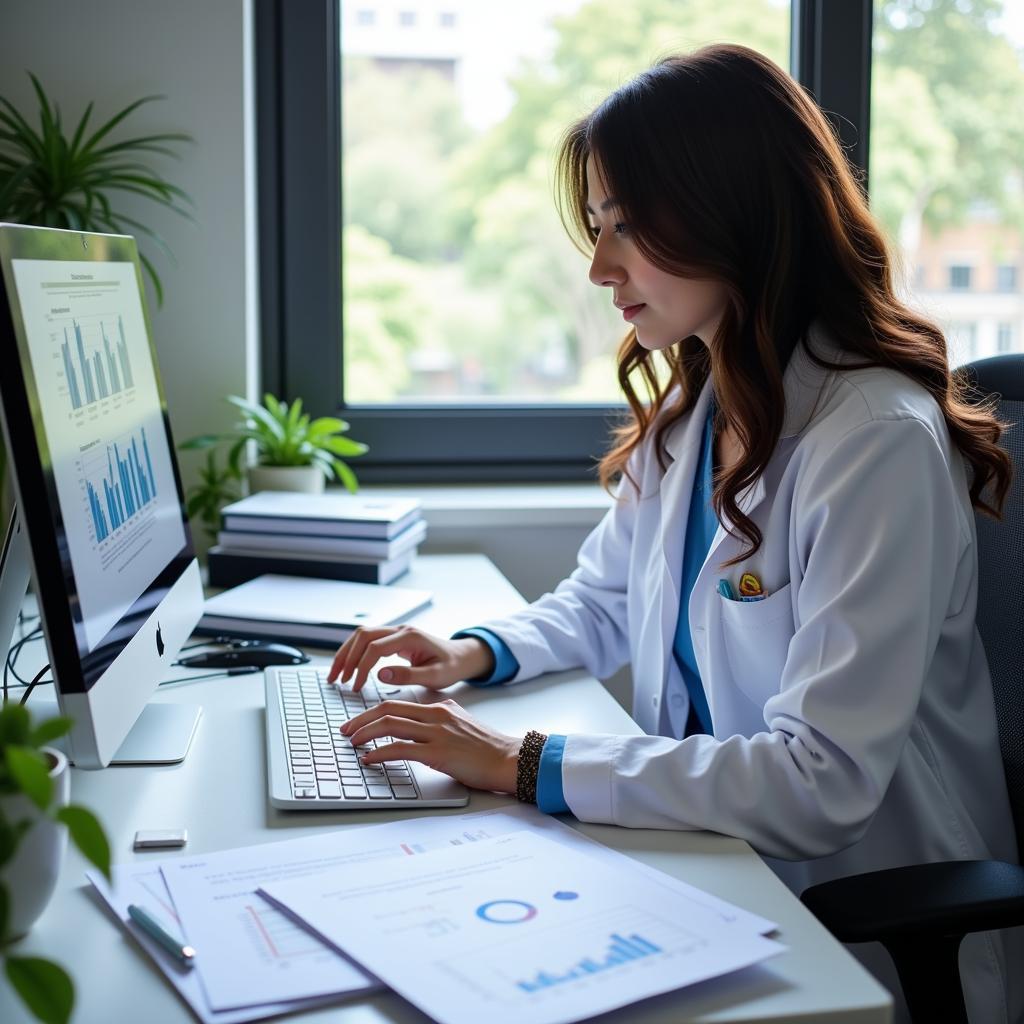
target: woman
829 702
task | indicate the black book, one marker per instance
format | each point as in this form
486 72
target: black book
230 568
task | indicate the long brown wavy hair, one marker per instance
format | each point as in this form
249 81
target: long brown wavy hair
725 169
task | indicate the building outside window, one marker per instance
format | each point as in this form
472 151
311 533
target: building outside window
1004 338
1006 277
942 187
366 17
959 277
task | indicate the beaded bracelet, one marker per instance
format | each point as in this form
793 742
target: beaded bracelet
528 765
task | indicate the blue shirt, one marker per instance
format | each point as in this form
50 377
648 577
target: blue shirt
680 717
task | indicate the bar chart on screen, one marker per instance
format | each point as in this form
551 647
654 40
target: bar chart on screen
94 357
119 482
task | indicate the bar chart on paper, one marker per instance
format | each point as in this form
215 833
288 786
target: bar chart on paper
596 950
118 481
276 940
621 950
95 359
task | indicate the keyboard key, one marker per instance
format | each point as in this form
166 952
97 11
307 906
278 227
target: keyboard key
404 792
305 794
379 792
354 792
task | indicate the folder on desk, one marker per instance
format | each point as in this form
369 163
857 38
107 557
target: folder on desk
308 611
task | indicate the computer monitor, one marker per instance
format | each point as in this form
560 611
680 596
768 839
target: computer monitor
97 490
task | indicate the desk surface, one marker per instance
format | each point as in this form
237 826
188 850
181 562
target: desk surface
219 794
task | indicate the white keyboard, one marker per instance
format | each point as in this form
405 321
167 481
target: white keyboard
310 764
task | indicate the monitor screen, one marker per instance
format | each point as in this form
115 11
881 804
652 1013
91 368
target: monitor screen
86 421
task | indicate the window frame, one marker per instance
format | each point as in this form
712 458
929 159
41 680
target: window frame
298 76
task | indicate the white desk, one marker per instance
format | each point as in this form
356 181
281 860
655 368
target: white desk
219 794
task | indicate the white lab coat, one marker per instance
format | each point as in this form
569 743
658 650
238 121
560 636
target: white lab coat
852 709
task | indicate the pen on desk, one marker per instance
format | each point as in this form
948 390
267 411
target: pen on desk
153 928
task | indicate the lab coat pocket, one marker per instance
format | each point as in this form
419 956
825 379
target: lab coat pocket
756 636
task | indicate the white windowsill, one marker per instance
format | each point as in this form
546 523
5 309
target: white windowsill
478 505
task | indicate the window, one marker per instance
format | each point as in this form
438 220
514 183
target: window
407 19
1004 338
459 281
942 187
504 383
959 277
447 19
365 16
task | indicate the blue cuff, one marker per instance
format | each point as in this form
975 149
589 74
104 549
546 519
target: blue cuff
550 798
505 664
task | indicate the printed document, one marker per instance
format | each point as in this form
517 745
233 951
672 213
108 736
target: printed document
517 927
144 885
246 955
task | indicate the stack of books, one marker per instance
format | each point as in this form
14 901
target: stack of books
330 536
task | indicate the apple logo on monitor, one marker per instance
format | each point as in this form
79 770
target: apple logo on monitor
159 641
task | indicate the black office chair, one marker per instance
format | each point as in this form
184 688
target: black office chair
921 913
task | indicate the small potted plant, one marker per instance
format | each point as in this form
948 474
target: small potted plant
293 453
35 820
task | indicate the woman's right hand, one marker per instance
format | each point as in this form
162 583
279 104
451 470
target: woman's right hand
433 662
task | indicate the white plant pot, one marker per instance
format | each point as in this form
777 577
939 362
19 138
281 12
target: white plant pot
307 479
31 876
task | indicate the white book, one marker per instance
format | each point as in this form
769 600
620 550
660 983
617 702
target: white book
304 544
305 609
322 515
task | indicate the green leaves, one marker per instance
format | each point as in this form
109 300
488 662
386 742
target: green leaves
31 774
15 724
283 435
44 987
87 834
49 180
51 729
216 488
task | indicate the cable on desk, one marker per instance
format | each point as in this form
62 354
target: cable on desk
240 671
208 642
31 686
12 657
37 633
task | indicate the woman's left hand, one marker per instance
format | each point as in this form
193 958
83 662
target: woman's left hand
442 736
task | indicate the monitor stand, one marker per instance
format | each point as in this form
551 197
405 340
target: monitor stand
162 734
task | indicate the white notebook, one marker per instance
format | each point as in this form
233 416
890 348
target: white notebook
307 610
322 515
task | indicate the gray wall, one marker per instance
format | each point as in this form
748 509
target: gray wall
197 54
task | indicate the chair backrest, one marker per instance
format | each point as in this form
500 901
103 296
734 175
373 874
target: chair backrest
1000 613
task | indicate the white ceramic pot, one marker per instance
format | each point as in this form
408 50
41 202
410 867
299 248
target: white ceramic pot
31 876
307 479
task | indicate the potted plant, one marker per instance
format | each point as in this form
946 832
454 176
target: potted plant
35 820
50 180
293 453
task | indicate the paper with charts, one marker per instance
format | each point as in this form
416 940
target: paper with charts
516 928
145 885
